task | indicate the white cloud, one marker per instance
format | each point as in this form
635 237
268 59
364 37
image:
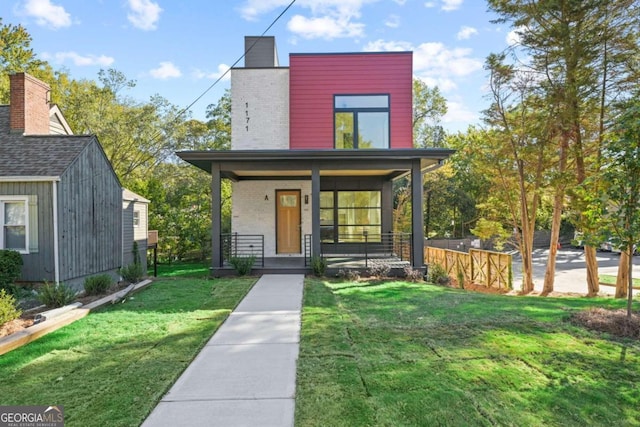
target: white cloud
466 32
387 46
325 27
449 5
433 63
252 9
436 59
83 60
222 68
393 21
430 4
444 84
166 70
513 37
326 19
459 113
47 14
400 2
144 14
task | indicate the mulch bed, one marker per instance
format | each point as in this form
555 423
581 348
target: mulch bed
614 322
27 317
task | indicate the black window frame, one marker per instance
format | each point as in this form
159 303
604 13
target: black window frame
355 111
334 227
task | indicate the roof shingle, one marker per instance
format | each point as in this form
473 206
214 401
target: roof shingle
37 155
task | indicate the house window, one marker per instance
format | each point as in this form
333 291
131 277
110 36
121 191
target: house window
346 216
136 218
14 223
361 121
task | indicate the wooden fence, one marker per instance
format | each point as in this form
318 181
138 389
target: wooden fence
485 268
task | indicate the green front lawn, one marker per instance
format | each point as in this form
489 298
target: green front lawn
182 269
400 354
112 367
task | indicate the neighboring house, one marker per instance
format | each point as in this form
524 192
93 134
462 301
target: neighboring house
135 210
315 149
60 200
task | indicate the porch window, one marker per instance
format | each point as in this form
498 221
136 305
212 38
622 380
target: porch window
13 223
345 216
361 121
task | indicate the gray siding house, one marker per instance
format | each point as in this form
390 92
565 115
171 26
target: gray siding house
60 200
135 223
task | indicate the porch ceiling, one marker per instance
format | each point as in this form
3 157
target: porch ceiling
247 164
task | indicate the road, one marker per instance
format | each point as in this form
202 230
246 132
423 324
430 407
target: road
571 272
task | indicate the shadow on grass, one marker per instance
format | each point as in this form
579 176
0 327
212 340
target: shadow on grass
403 354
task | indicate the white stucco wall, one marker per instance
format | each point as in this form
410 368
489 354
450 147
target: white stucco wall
259 108
252 214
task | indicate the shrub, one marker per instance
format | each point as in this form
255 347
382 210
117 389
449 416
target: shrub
8 308
380 270
56 295
460 278
136 253
132 273
350 275
10 267
437 274
97 284
242 265
413 275
318 265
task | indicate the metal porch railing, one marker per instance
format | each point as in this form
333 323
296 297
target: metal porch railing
234 245
364 246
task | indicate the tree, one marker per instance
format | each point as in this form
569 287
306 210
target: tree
621 176
16 55
219 123
579 48
429 106
136 136
517 149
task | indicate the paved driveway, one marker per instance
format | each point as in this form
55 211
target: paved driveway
571 272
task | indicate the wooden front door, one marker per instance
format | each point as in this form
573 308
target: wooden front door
288 222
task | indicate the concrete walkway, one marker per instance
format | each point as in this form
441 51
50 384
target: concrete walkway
246 374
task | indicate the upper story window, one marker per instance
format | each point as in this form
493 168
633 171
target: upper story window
361 121
136 218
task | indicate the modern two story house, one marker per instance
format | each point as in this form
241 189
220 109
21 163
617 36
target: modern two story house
315 149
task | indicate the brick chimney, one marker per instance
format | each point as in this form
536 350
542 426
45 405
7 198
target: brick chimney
28 105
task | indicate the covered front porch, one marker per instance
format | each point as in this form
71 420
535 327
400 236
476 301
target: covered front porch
292 205
392 249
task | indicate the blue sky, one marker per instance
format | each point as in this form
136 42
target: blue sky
178 48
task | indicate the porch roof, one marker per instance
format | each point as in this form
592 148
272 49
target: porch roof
256 164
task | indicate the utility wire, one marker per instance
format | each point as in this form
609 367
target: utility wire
184 110
158 135
238 60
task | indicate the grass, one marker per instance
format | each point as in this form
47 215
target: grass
113 366
400 354
183 269
611 280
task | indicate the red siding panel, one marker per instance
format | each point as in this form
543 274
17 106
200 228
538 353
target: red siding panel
315 78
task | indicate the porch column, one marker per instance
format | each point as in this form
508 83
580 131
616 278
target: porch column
216 217
315 210
387 206
417 220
